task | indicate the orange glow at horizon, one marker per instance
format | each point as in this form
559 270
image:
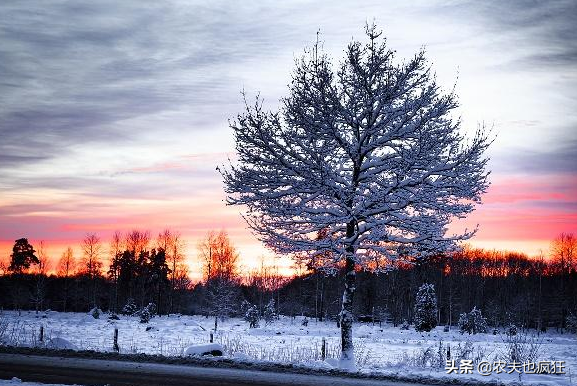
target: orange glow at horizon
520 213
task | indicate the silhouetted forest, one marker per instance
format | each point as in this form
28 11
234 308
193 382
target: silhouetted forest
507 287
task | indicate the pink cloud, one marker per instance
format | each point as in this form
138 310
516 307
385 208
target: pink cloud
519 210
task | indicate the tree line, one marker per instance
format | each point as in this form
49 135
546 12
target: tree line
139 268
508 287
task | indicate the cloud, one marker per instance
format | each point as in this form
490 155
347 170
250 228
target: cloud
553 159
72 73
545 31
101 102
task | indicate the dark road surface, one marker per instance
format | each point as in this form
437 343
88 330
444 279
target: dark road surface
102 372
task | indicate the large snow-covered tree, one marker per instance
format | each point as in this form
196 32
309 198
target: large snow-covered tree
365 153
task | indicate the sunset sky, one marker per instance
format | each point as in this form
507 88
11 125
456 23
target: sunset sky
113 115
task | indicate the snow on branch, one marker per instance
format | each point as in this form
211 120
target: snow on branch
372 144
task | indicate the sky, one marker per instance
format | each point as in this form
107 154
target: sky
114 115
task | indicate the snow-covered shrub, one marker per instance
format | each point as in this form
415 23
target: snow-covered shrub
269 313
95 312
147 313
4 323
405 325
467 350
472 322
221 298
521 348
305 321
447 328
252 317
433 356
130 307
244 306
511 330
113 316
426 308
425 357
571 323
151 308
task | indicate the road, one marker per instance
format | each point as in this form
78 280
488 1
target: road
102 372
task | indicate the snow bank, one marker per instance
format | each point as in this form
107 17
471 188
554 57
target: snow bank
332 363
204 349
61 344
18 381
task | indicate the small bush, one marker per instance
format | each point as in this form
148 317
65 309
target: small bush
129 308
405 325
521 347
511 330
472 322
252 316
95 312
147 313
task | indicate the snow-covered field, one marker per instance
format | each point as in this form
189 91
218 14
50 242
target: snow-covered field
18 382
384 350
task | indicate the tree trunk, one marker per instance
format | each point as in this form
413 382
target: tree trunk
347 361
65 292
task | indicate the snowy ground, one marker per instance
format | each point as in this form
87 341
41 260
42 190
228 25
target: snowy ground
18 382
383 350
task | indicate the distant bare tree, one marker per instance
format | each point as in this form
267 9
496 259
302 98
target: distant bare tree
173 244
115 252
3 268
137 241
91 264
66 264
219 257
564 252
65 268
43 260
116 244
39 290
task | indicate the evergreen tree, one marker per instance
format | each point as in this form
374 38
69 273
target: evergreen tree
252 316
158 272
269 313
426 308
147 313
23 255
571 323
472 322
130 307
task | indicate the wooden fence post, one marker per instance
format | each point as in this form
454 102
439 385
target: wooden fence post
324 349
211 337
115 346
41 334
